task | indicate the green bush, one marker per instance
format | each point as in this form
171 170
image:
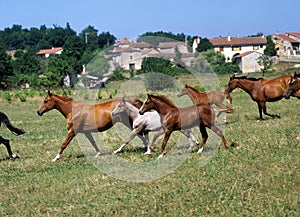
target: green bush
7 96
157 81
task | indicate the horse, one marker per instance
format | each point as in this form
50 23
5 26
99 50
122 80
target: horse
293 86
214 97
262 90
174 118
4 119
81 117
143 124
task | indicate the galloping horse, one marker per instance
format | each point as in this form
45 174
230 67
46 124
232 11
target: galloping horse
293 87
143 124
214 97
4 119
81 117
262 90
174 118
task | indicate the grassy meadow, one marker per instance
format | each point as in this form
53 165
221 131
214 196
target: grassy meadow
259 177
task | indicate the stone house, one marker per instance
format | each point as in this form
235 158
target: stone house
129 55
287 44
247 61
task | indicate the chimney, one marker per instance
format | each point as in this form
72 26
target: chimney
229 38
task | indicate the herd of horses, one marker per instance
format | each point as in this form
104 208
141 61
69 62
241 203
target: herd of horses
166 118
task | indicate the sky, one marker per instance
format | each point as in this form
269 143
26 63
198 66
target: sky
132 18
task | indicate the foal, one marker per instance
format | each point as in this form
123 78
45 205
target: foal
4 119
143 124
174 118
214 97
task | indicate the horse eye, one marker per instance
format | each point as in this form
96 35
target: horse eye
45 101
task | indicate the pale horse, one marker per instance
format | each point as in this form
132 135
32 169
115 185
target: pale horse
143 124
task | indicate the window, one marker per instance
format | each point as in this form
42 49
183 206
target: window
221 49
236 48
131 57
255 47
131 66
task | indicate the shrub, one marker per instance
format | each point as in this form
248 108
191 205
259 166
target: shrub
157 81
7 96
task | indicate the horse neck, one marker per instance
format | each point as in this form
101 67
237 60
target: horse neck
194 95
64 107
132 111
161 107
246 85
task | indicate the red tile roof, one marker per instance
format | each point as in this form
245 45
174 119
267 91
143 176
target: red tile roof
286 38
295 34
245 54
49 51
229 41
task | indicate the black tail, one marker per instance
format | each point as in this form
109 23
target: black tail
4 119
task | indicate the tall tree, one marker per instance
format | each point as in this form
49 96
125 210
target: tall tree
270 47
204 45
105 39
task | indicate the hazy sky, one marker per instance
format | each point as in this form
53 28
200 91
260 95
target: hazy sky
132 18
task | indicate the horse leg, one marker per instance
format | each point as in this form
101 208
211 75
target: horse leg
155 137
68 139
204 137
130 138
260 111
148 152
92 141
7 145
264 108
220 134
190 136
166 138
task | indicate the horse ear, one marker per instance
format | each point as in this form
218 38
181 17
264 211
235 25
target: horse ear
295 75
186 85
123 99
49 93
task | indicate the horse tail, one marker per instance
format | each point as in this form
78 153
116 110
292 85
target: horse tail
4 119
228 97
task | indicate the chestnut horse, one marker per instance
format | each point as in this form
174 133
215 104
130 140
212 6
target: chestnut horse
4 119
143 124
214 97
81 117
174 118
262 90
293 87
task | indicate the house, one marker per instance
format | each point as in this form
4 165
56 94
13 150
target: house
247 61
232 47
129 55
47 52
287 44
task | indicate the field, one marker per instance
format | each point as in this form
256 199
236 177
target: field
259 177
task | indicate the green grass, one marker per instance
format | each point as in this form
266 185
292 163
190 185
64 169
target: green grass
260 177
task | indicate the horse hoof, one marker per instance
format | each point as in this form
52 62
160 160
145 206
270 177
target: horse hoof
14 156
200 151
97 155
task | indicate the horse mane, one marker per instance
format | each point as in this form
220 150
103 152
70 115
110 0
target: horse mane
63 98
248 78
192 88
165 99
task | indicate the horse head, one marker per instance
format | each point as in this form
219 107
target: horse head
293 86
147 105
184 91
232 84
46 105
120 108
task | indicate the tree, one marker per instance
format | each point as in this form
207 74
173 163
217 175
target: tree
105 39
6 68
204 45
266 63
270 47
89 35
